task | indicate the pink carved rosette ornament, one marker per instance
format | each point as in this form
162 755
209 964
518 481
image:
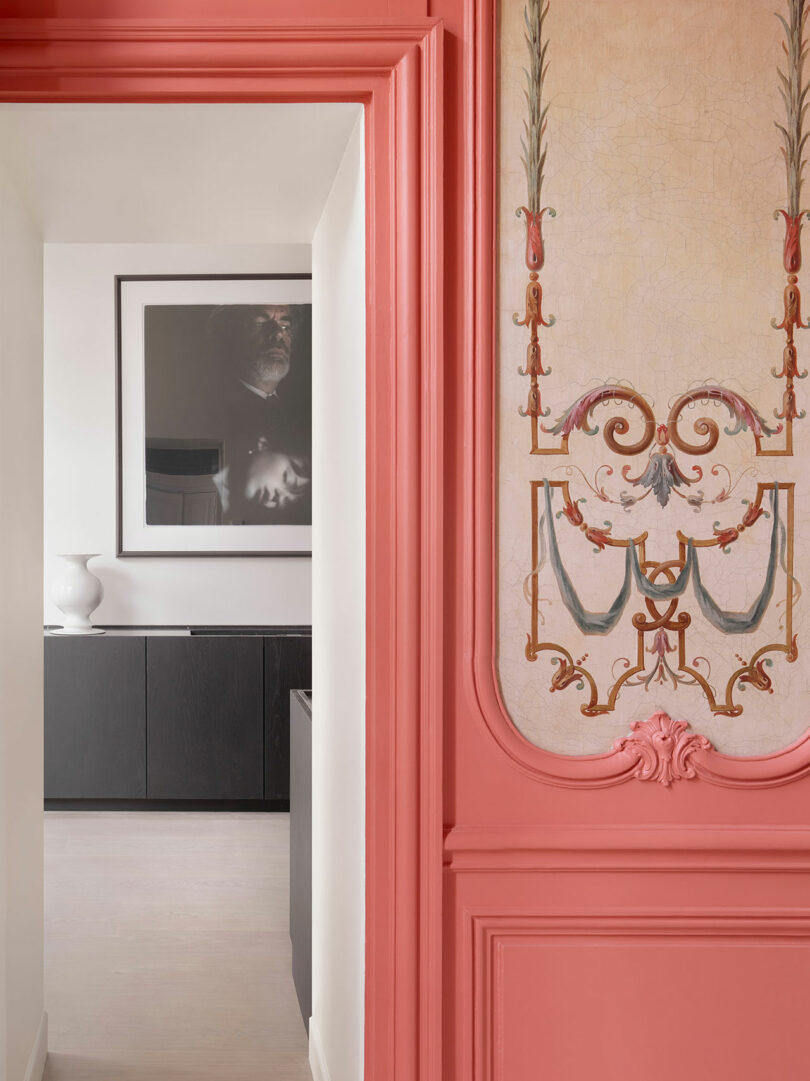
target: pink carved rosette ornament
664 749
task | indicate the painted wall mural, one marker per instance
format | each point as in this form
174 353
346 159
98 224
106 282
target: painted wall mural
652 489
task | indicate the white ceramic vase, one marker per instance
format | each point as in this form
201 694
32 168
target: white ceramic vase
77 592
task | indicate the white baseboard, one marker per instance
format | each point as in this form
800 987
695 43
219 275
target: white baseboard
39 1052
317 1063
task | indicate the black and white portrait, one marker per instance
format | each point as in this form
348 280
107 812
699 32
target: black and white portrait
227 408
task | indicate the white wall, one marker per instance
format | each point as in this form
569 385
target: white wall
21 909
80 478
338 680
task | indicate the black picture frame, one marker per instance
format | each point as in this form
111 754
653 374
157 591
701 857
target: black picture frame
122 551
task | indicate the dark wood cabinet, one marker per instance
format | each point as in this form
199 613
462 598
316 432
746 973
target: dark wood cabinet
200 716
204 722
95 718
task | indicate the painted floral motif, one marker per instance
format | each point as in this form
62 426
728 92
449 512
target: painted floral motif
793 90
662 473
534 160
661 670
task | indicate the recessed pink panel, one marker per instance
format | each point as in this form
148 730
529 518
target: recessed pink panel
633 1005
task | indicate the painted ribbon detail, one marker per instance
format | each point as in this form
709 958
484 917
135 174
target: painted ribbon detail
729 622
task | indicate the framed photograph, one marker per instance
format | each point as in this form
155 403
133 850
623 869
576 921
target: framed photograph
214 415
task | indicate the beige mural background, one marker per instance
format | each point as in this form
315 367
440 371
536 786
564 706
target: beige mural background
663 269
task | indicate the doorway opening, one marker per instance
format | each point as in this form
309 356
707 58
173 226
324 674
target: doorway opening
167 737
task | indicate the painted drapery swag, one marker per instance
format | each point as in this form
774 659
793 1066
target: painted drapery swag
679 453
603 622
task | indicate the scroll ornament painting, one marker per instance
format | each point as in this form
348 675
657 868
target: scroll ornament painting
652 491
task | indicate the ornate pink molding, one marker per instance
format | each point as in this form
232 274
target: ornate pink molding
664 749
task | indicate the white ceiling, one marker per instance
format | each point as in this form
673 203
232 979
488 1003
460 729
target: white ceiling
190 174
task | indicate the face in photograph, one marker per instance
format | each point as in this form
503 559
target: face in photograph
264 483
255 343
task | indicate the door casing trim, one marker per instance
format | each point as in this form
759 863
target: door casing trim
395 69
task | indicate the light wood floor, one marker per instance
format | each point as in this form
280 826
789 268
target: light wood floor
167 948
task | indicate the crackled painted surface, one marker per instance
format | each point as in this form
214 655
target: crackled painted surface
663 403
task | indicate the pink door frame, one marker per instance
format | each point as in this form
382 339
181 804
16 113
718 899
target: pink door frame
395 69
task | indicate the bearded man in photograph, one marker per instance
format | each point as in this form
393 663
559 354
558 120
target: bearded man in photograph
262 357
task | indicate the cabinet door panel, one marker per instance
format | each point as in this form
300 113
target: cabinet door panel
204 709
95 718
287 667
